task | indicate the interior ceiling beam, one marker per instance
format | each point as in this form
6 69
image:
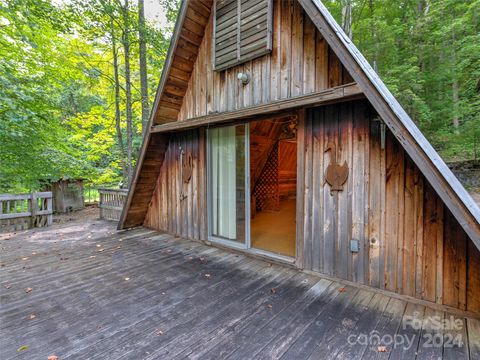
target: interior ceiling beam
329 96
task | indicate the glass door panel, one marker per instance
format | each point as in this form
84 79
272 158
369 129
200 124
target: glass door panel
227 182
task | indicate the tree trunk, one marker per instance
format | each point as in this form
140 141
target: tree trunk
455 98
455 87
374 35
118 119
347 17
128 92
143 65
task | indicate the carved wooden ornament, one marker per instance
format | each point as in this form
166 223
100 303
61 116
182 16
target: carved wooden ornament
187 167
335 175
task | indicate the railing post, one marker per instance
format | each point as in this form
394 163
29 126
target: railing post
50 210
33 209
100 203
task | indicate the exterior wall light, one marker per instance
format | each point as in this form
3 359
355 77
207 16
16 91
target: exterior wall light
244 78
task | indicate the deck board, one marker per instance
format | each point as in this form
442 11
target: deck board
207 302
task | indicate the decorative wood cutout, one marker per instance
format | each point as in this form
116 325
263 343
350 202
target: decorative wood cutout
187 167
335 175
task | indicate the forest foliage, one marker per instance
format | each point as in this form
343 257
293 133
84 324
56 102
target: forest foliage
66 82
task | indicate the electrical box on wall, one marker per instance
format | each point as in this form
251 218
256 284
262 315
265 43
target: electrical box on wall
354 246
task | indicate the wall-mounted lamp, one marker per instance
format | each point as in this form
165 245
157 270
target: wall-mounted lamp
244 78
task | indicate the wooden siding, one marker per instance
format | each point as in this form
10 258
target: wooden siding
409 242
167 212
194 16
300 63
144 182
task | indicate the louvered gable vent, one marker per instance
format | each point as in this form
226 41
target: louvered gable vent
243 31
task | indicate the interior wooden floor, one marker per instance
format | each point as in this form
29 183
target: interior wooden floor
275 231
101 294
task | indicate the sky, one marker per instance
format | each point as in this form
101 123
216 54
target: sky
153 11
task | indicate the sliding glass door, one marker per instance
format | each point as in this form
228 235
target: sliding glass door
227 183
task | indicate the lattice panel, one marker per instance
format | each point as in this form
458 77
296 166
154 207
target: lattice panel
266 190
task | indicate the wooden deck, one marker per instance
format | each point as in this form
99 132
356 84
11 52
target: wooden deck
86 291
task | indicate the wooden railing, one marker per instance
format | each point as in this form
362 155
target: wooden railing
111 203
25 211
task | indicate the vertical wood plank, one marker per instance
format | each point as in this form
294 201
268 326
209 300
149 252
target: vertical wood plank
345 149
318 184
247 89
451 260
473 278
334 69
391 212
297 50
275 55
429 245
359 190
210 87
374 213
400 175
309 30
321 62
409 226
439 260
308 155
257 83
419 216
286 49
300 215
202 182
330 198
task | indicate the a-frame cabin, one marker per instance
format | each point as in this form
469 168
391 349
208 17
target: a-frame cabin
271 134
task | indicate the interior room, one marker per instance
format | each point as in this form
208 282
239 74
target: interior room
273 176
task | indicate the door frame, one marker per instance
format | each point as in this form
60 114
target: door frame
215 239
298 260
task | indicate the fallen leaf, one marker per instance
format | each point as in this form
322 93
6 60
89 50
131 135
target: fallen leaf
25 258
28 290
273 290
158 332
341 290
22 348
32 316
382 349
269 306
52 357
207 275
93 256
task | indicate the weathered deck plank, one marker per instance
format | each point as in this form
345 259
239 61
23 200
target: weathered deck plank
208 303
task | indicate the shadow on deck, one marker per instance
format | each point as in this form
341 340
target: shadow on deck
86 291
